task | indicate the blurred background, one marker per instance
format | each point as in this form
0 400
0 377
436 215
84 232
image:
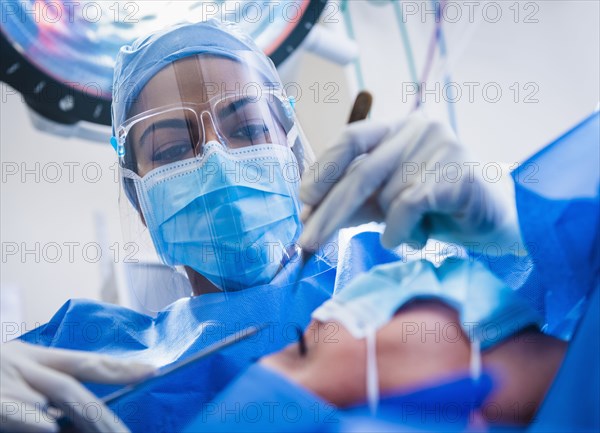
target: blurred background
508 76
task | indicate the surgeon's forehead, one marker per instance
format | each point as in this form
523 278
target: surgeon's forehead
194 79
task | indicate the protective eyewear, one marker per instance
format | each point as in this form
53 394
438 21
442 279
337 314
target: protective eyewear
175 132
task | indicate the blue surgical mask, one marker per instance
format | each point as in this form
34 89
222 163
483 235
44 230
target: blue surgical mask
232 214
481 300
489 311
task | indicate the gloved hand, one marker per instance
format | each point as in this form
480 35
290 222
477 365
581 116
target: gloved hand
32 376
415 176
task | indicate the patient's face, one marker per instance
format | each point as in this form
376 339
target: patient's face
420 347
409 354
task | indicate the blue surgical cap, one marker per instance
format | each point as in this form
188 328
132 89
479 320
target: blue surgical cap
137 63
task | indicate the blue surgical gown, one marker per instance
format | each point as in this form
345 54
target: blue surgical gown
191 324
280 405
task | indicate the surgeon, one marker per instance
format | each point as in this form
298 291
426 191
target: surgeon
211 156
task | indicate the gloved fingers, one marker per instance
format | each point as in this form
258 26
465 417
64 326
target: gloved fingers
93 367
17 389
406 154
346 198
25 416
357 139
404 221
369 211
337 208
366 176
77 403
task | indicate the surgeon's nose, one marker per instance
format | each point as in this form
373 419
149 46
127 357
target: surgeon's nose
208 128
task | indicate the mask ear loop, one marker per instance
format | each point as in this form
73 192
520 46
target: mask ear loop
475 361
372 374
475 357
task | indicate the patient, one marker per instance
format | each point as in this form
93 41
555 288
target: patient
430 338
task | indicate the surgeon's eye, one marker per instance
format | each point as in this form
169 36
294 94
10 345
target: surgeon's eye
254 132
173 152
167 139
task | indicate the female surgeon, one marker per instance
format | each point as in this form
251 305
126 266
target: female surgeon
210 156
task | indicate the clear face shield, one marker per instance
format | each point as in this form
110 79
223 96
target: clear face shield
210 157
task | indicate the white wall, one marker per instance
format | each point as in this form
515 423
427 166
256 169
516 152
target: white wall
559 53
49 207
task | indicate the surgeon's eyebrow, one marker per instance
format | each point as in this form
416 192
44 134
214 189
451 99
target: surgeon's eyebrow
234 106
166 123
